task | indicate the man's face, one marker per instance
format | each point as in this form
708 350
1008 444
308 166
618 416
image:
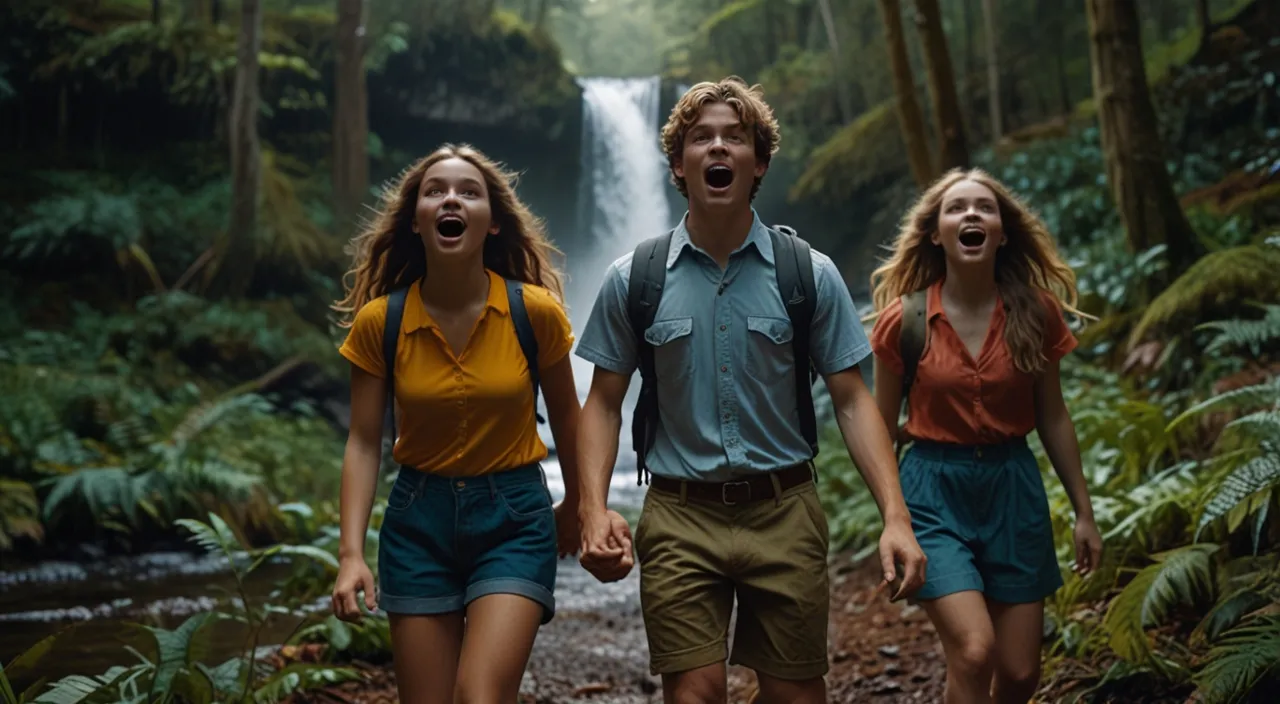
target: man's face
718 161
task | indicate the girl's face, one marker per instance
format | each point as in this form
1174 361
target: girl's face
969 227
453 216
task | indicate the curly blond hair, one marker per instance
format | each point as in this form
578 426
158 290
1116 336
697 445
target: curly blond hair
388 254
748 102
1026 267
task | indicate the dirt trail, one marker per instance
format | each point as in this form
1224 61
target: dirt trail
880 652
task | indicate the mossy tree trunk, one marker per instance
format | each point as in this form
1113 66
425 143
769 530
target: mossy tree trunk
993 69
350 114
952 147
910 119
246 155
1140 184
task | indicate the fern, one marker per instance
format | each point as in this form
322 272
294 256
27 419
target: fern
1258 474
1246 655
1181 576
1266 393
1250 335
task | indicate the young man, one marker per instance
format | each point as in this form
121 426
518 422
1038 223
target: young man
732 506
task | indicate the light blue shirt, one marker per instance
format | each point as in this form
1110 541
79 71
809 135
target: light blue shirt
722 353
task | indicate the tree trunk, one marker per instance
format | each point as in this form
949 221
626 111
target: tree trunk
350 113
155 11
993 70
910 121
246 155
1204 21
970 57
216 17
842 83
540 22
1140 184
953 150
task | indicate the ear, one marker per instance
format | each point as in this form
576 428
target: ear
934 238
677 167
494 229
761 169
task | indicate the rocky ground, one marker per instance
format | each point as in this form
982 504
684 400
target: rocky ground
881 652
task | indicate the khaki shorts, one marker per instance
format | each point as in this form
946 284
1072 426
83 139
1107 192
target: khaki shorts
771 553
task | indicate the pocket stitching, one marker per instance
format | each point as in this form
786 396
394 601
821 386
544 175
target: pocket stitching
533 514
763 326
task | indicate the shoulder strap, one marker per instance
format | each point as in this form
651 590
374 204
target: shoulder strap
913 337
644 292
390 338
793 266
524 333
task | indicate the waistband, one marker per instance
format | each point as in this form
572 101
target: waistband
492 481
944 452
745 490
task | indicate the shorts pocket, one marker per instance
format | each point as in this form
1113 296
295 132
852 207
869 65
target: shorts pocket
525 501
405 490
769 354
813 506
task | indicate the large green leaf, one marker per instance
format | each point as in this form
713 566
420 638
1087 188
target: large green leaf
1181 576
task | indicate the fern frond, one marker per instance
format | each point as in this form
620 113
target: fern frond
1245 656
1250 335
1261 425
298 677
1265 394
1181 576
1217 281
1261 472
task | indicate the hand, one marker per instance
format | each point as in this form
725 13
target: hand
568 534
1088 547
606 545
898 546
353 576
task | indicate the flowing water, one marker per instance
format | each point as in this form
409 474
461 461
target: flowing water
624 200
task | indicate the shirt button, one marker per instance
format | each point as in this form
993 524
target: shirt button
726 416
461 484
724 369
460 402
724 327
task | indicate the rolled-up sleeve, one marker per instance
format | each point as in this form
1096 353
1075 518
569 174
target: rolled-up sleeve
607 340
838 340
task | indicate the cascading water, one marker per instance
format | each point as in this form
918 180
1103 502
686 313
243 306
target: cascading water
624 201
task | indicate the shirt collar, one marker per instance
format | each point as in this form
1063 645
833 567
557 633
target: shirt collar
416 316
757 236
933 306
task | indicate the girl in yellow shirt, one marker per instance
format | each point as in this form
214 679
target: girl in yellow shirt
469 541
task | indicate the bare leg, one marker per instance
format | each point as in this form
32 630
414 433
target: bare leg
425 650
776 691
500 632
702 685
968 640
1019 629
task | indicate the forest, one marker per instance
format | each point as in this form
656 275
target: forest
181 179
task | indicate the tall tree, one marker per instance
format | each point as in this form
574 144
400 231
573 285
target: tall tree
246 153
910 120
1135 159
953 150
842 84
993 69
350 113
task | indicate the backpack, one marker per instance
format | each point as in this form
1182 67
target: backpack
391 336
912 340
793 266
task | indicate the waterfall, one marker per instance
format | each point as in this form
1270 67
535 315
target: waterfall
623 196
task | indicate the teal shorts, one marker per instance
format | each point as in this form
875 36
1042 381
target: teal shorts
982 518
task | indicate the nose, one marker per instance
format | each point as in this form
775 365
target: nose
717 144
450 198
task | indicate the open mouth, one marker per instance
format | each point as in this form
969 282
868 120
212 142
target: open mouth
972 237
719 176
450 226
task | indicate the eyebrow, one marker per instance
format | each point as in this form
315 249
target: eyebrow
466 180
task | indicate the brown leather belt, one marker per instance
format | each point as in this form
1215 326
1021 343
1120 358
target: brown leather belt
738 491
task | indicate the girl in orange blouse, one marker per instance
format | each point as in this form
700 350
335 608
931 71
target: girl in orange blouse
988 376
468 545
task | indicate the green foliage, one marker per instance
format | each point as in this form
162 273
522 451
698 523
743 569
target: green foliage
867 151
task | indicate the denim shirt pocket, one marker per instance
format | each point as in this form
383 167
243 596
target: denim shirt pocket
672 342
769 355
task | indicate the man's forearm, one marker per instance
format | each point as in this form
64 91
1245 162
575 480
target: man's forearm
869 447
598 431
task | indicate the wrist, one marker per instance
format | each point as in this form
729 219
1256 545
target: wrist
897 517
347 553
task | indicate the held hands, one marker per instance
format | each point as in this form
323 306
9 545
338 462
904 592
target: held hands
898 546
568 534
606 545
353 577
1088 547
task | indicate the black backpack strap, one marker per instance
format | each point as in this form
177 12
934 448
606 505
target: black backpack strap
524 333
793 266
644 292
912 340
390 338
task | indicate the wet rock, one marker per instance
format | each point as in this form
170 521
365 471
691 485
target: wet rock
889 651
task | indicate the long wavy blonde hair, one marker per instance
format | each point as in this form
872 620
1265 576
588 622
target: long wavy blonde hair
1028 264
388 254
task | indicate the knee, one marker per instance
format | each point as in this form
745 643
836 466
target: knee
972 657
1017 683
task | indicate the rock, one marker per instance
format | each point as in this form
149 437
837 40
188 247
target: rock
889 651
887 686
919 676
841 656
892 669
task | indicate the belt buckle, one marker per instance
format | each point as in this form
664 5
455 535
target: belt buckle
724 492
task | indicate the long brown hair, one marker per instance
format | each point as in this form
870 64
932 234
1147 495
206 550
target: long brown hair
388 254
1027 265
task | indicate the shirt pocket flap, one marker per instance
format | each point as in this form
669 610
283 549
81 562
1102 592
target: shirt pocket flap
664 331
777 330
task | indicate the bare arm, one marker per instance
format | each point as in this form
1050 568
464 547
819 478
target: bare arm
598 448
563 414
1058 435
360 461
888 387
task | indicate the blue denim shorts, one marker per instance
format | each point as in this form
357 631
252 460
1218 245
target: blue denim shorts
447 541
982 518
